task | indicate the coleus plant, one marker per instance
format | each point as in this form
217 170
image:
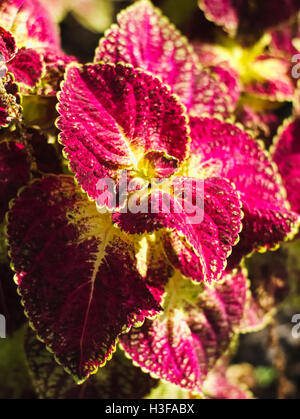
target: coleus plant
167 284
237 17
261 63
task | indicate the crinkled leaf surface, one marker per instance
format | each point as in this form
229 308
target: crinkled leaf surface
111 116
202 250
198 226
146 39
216 92
26 67
76 274
232 153
55 63
184 343
14 171
286 154
34 33
8 47
230 79
118 380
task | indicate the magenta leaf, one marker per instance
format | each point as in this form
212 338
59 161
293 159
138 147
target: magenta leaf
29 22
275 90
37 38
230 79
14 171
221 69
120 114
55 63
203 254
257 316
279 86
223 382
146 39
216 92
232 153
286 154
222 12
184 343
39 71
76 274
199 225
249 69
282 44
234 15
26 67
8 46
200 251
120 380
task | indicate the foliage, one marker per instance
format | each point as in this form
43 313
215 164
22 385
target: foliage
171 279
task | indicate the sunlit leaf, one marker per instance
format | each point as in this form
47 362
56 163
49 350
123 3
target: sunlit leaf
76 274
120 114
146 39
232 153
184 343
